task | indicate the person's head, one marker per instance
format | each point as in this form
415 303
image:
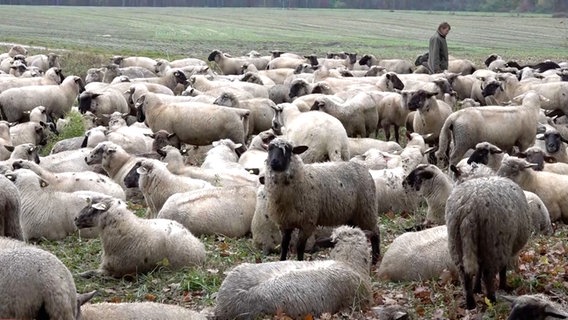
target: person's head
444 28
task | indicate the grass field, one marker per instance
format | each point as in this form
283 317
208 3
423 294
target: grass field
91 35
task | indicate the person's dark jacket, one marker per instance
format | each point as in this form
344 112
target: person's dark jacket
438 53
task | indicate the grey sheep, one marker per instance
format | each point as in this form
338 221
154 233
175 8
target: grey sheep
262 110
137 310
9 210
304 196
298 288
488 224
37 285
148 243
535 307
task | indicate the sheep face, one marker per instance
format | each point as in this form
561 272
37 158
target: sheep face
27 151
394 82
532 307
481 153
298 89
552 140
277 122
180 77
90 215
491 88
416 177
163 138
96 155
280 154
132 177
86 100
420 100
226 99
26 178
511 167
214 56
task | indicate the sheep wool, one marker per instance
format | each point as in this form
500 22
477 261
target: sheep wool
137 310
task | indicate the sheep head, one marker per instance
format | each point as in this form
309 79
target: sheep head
132 177
420 100
280 154
90 215
552 140
533 307
481 153
416 177
215 55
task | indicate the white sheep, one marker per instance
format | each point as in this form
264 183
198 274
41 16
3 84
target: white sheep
115 161
158 184
304 196
134 245
262 110
358 146
257 152
137 310
486 231
223 156
227 211
36 284
324 135
9 210
28 132
299 288
431 113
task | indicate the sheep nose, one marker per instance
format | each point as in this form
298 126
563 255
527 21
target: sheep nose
86 160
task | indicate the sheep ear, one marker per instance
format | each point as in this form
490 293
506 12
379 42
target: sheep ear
455 170
84 297
238 145
151 135
142 170
43 183
99 206
261 180
9 148
183 151
552 312
399 315
326 242
299 149
430 150
10 176
171 135
540 136
531 165
549 159
494 150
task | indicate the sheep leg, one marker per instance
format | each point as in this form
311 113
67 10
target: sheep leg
477 282
301 245
503 280
488 280
375 247
396 134
467 280
386 129
285 244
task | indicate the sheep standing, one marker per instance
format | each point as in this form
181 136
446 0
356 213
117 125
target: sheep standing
134 245
488 224
305 196
9 210
298 288
37 285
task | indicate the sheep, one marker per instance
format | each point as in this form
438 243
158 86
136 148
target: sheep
358 146
105 101
229 65
435 186
554 144
543 161
391 112
461 66
26 151
353 200
134 245
536 306
257 152
226 178
417 256
224 123
143 62
53 76
262 110
6 64
112 71
73 181
539 214
431 114
227 211
393 65
486 157
550 187
324 134
504 127
116 162
276 75
14 50
66 161
486 231
358 114
203 84
44 62
44 213
9 210
158 184
131 143
135 310
28 132
223 156
290 62
250 290
170 80
190 64
57 99
37 285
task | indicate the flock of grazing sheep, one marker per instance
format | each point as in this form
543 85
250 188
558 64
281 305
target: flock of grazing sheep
268 145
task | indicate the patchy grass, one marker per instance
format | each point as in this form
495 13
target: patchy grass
74 128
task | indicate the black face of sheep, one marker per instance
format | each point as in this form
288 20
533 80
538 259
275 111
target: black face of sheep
552 140
536 158
298 89
491 88
96 155
395 81
419 99
181 78
280 154
490 59
88 216
421 59
163 138
213 55
140 115
131 178
415 178
41 134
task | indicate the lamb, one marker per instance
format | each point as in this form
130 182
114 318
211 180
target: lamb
229 65
187 64
73 181
227 211
45 213
358 114
158 184
289 185
57 99
482 242
225 123
9 210
36 284
250 290
276 75
536 306
504 127
435 186
262 110
136 310
147 244
203 84
358 146
417 256
170 80
112 71
486 157
324 134
131 143
540 183
554 144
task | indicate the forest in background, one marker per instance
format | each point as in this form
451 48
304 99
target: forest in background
520 6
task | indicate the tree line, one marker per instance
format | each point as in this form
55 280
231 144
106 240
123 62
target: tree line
537 6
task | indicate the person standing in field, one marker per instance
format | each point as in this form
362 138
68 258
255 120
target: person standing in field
438 49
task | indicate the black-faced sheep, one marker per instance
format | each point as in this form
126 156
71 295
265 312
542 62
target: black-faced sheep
535 307
147 244
488 224
299 288
345 194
